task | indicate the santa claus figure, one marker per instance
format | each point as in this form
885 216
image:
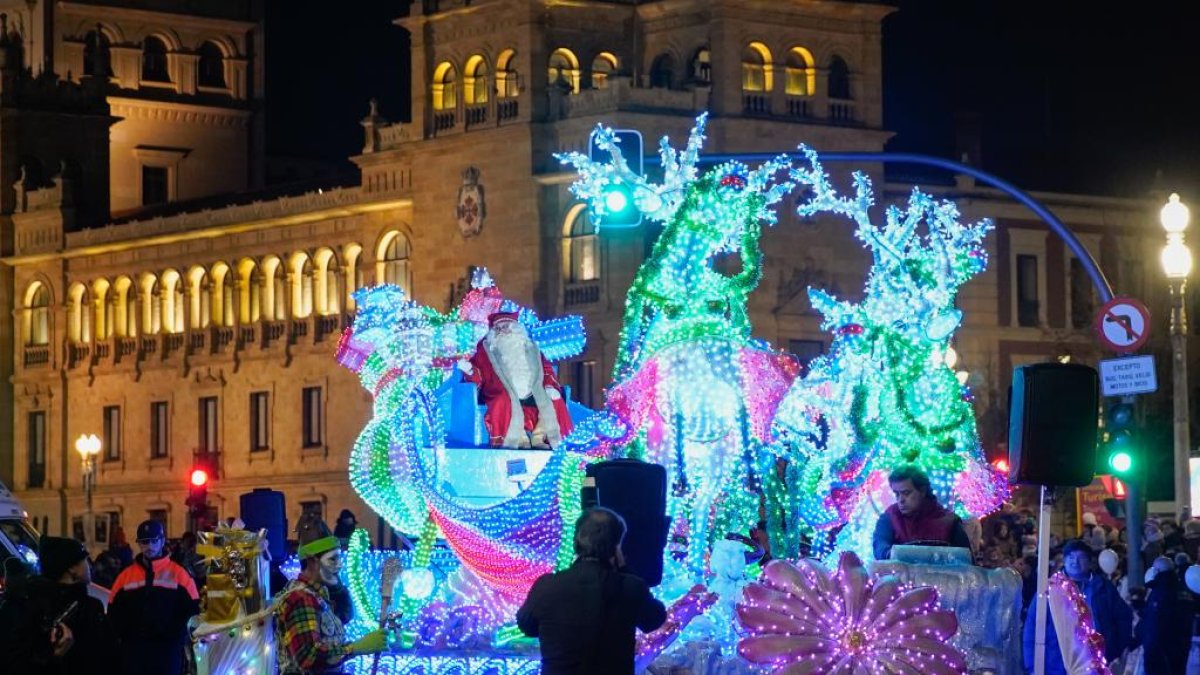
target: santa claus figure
524 400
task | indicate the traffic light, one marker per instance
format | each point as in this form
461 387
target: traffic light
197 499
617 208
1121 442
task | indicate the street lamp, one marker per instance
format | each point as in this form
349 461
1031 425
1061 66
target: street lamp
1177 265
88 446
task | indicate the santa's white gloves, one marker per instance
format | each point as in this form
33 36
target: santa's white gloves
553 393
465 366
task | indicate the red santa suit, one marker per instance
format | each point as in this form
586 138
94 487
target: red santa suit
518 386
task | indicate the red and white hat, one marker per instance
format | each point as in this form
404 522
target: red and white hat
497 317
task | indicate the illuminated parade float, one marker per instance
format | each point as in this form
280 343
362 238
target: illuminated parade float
738 427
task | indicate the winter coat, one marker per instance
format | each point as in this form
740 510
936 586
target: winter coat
1165 627
1111 617
30 608
150 605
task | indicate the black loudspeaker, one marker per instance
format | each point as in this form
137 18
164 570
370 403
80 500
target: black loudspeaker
638 491
266 508
1054 414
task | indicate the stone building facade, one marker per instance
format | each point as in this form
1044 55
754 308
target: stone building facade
185 331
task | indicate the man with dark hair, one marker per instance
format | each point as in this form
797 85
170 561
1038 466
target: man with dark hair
49 624
585 615
1111 617
916 517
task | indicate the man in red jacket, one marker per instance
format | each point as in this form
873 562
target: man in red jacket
150 605
916 517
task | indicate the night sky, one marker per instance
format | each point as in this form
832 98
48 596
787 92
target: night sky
1097 102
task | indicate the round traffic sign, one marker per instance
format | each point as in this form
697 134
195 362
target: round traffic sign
1123 325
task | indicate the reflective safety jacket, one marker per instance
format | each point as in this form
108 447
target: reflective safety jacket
151 602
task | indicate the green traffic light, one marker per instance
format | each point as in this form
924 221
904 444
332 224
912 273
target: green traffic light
618 208
1120 461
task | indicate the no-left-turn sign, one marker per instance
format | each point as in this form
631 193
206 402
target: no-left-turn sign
1123 325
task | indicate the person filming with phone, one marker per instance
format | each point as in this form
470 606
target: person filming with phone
49 624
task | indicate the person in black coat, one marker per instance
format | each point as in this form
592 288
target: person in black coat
49 624
1166 624
585 615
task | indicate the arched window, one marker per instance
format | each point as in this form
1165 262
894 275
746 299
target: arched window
756 68
274 297
301 273
124 310
154 60
475 80
603 65
564 70
151 304
198 300
37 304
211 68
506 75
839 79
220 294
102 323
171 299
702 66
445 87
353 274
78 324
393 257
581 255
249 292
97 59
662 71
327 294
800 76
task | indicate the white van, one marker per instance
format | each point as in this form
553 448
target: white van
18 539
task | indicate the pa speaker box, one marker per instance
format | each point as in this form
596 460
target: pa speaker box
1052 424
638 491
266 509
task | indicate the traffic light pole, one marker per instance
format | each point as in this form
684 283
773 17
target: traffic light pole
1133 530
1042 610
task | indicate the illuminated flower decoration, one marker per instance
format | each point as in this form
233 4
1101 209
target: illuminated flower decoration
800 618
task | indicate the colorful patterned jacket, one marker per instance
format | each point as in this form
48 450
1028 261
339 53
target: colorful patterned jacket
311 638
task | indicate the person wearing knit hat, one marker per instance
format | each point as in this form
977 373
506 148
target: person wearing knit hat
49 623
312 612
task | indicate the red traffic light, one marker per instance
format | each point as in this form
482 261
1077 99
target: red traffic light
1001 465
199 477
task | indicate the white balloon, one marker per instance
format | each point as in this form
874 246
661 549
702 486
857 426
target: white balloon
1192 578
1109 561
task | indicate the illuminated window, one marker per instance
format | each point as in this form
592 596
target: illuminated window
506 75
564 70
160 429
445 87
800 76
38 332
603 65
475 81
702 66
756 68
580 247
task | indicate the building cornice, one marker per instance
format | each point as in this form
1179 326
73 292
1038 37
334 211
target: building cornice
282 212
186 113
120 14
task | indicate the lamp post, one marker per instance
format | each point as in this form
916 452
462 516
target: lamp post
1177 265
88 446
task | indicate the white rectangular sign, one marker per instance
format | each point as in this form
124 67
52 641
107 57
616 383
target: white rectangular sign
1127 376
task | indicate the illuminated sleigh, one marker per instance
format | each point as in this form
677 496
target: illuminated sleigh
422 461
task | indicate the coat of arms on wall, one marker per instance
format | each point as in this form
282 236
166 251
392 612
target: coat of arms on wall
472 208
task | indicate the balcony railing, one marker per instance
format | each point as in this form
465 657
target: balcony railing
148 344
247 336
444 120
799 107
195 341
841 112
273 331
126 346
37 355
327 325
476 114
506 109
77 352
756 104
222 337
582 293
103 349
172 343
298 329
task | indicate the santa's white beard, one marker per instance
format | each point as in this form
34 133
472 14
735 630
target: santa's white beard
510 350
